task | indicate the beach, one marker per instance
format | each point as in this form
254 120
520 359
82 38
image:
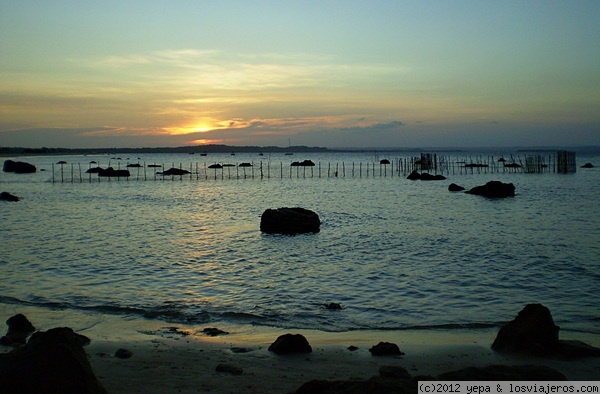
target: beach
168 358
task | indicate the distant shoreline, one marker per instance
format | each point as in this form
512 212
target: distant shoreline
200 149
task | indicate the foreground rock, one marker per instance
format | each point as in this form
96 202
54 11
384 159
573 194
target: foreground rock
494 189
289 221
51 362
18 167
386 349
6 196
19 328
399 381
533 331
290 344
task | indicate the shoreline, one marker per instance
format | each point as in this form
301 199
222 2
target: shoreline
180 358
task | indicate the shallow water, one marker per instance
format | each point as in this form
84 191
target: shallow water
395 253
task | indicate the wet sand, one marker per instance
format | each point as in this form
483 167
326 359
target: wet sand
175 358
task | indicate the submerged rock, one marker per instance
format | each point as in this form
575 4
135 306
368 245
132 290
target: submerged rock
453 187
289 221
290 344
175 171
111 172
494 189
425 176
18 167
6 196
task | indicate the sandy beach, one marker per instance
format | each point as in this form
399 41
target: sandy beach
183 359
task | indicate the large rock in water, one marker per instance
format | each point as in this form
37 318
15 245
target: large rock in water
289 221
18 167
494 189
52 362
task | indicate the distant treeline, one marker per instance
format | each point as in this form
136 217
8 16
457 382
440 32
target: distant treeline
182 149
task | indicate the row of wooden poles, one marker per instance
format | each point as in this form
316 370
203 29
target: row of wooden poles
433 164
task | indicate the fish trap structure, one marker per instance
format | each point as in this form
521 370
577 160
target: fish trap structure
435 164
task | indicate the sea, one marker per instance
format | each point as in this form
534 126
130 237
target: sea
394 254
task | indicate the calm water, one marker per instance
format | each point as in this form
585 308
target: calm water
395 253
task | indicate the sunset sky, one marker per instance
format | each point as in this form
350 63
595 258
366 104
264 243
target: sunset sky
346 73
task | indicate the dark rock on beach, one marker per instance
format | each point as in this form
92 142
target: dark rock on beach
533 331
504 373
213 332
290 344
18 167
6 196
19 328
386 349
453 187
51 362
396 380
494 189
227 368
289 221
123 353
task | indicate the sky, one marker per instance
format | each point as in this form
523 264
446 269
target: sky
148 73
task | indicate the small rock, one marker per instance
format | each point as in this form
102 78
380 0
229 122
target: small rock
587 165
229 369
333 306
213 332
453 187
352 348
290 343
6 196
392 371
19 328
386 349
123 353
